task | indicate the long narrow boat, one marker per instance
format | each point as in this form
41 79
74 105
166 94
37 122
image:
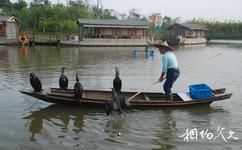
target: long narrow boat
144 99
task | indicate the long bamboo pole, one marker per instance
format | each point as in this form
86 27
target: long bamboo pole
186 69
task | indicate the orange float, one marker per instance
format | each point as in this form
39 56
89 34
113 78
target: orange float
23 39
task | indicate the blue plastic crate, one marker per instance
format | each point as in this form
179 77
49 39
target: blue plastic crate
200 91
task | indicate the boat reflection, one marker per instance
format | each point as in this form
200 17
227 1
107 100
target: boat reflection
64 117
204 109
193 46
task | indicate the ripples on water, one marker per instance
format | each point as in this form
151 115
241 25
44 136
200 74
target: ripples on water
31 124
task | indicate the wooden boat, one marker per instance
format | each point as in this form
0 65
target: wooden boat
144 99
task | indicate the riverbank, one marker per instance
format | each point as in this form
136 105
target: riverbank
226 41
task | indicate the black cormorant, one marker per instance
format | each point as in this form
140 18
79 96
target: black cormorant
63 81
78 88
114 104
35 82
117 83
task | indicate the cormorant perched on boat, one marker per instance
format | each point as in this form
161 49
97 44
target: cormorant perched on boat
35 82
78 88
117 83
63 81
114 104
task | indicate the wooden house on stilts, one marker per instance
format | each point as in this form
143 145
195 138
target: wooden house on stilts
185 34
9 27
110 32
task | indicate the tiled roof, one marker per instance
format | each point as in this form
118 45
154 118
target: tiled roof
4 18
192 26
112 22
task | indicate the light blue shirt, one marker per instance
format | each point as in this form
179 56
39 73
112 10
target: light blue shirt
169 61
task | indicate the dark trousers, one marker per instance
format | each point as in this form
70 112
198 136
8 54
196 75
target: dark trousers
171 76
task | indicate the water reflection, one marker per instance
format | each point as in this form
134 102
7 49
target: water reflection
24 51
4 55
143 54
195 46
114 124
165 132
63 117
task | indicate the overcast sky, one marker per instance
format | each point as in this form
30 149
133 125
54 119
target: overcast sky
186 9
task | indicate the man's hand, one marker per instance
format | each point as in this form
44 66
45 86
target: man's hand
161 77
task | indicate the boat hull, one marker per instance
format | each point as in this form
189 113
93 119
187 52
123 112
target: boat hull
145 99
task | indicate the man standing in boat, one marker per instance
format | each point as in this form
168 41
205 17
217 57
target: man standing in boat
170 69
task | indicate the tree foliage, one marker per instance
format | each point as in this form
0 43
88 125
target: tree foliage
135 15
43 16
221 30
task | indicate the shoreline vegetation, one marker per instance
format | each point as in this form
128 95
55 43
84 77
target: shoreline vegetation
42 18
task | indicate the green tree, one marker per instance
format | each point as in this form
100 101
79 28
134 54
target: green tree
133 14
6 7
221 30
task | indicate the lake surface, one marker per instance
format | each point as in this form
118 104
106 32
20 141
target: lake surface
27 123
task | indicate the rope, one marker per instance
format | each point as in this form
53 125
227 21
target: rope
201 61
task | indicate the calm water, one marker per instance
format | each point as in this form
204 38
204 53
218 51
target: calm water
27 123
